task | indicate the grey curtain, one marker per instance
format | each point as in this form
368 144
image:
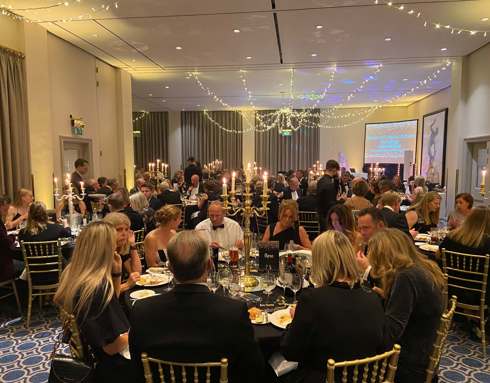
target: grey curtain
151 143
204 140
281 153
15 163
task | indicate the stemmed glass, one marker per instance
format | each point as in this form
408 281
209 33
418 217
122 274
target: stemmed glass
170 283
224 277
213 282
282 274
269 283
296 283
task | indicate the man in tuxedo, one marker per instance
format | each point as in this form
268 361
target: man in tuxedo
149 191
328 189
389 203
195 187
292 191
191 324
166 197
81 169
303 181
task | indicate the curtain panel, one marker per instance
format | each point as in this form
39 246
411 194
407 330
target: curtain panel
150 138
282 153
204 140
15 162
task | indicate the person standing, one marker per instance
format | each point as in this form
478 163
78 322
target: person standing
81 171
191 169
328 188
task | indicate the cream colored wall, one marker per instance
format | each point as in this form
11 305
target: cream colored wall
12 34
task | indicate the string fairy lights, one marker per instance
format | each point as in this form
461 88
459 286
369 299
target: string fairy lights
428 23
142 115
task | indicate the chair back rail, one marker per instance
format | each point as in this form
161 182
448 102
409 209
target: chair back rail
309 220
178 372
375 369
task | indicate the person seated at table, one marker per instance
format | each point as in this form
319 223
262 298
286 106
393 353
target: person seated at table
39 229
220 231
178 183
168 219
195 188
138 183
63 206
125 247
359 190
309 201
18 211
191 324
472 237
340 218
286 228
9 267
389 204
327 321
279 186
412 287
424 215
166 196
119 202
104 188
398 184
139 203
148 191
462 208
292 191
89 289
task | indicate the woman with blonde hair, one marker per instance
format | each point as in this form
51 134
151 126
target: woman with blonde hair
286 229
424 215
126 248
89 289
38 227
327 321
18 211
140 204
168 219
412 288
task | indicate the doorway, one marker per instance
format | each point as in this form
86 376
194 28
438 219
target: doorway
478 160
71 150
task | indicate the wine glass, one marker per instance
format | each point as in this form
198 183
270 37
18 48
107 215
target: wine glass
224 277
234 288
170 277
296 283
213 282
269 283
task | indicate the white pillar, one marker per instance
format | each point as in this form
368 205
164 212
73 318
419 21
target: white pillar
175 141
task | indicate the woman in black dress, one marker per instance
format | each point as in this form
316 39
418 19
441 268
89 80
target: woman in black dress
39 229
338 319
89 289
18 211
424 215
412 288
286 228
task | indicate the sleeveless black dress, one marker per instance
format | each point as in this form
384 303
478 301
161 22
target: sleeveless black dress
290 234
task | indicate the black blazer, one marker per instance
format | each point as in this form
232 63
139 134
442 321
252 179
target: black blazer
395 220
308 203
288 193
190 324
190 170
75 180
52 233
168 197
335 322
303 185
135 218
327 190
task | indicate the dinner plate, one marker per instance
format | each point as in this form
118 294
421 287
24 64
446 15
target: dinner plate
263 319
142 294
422 237
156 270
281 318
153 280
428 247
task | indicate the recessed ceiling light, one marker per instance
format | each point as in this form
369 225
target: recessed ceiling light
133 60
167 86
249 57
150 94
387 38
236 30
405 79
319 26
281 84
198 105
164 100
443 49
484 19
178 47
314 55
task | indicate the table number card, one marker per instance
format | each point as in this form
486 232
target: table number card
268 255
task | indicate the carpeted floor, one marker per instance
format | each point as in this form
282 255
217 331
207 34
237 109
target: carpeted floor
24 354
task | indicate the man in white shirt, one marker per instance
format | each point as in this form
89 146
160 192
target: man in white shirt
219 230
293 191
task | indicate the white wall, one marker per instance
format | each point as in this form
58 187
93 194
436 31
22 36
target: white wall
11 34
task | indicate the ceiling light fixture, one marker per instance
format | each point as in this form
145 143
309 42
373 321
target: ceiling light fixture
484 19
388 39
319 27
314 55
405 79
150 94
167 86
444 49
178 47
249 57
236 30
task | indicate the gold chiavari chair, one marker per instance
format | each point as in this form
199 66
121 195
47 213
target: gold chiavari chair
139 237
43 263
178 372
442 331
12 291
309 220
375 369
74 340
468 275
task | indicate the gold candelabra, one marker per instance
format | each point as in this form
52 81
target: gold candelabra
232 209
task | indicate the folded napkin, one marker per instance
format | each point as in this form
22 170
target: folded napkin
280 365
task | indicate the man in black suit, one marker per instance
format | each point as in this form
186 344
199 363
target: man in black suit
166 197
103 187
389 203
309 201
292 191
189 323
191 169
81 169
119 202
149 191
328 189
303 181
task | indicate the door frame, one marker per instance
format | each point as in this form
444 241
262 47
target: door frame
75 140
469 164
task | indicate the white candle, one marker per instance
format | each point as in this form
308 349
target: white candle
81 186
483 176
55 183
149 166
265 191
158 164
225 189
233 177
247 173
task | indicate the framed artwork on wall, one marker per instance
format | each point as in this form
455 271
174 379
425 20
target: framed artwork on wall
433 159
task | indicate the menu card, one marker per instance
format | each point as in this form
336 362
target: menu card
268 255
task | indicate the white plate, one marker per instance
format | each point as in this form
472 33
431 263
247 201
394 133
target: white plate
428 247
420 243
142 294
422 237
149 280
281 318
305 284
156 270
13 232
263 320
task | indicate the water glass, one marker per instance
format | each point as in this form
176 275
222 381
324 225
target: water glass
213 282
224 277
296 283
170 283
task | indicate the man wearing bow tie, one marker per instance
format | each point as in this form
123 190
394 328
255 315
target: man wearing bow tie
219 230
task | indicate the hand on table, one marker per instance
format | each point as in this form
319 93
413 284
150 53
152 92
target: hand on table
133 278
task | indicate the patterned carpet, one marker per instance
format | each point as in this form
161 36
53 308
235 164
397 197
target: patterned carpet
24 354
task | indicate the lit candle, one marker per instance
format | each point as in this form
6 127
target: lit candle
149 166
265 190
158 164
483 176
81 186
166 170
225 188
247 173
233 177
55 183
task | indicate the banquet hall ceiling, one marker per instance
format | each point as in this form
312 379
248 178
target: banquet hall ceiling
273 37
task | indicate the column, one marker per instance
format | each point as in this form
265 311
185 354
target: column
174 142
